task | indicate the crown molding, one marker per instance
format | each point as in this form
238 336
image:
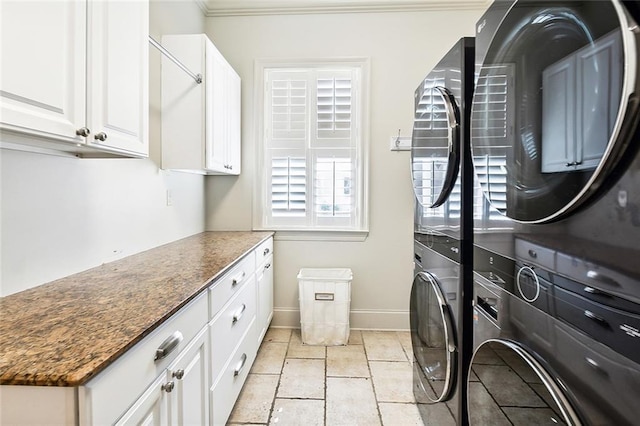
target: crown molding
218 8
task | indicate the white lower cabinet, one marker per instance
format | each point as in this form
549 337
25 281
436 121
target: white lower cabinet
188 404
150 408
179 395
226 389
188 371
264 285
129 382
233 347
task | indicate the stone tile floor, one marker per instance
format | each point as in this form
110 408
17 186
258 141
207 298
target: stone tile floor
370 382
367 382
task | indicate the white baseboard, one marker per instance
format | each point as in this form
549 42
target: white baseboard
358 319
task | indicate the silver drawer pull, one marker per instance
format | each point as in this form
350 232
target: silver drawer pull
168 345
178 374
595 318
240 366
595 366
266 251
602 278
596 292
267 266
592 362
533 253
237 279
239 313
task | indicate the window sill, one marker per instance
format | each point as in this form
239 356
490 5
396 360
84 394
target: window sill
317 235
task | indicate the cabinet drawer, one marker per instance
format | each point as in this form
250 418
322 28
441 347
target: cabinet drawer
534 254
225 392
228 328
230 283
612 327
263 251
598 276
110 393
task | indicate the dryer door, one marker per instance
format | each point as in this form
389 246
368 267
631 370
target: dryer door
507 385
554 112
435 141
432 338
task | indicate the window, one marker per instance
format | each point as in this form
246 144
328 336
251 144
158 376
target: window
312 159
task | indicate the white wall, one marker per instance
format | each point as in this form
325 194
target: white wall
403 46
62 215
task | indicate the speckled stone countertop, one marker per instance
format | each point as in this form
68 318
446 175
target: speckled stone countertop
65 332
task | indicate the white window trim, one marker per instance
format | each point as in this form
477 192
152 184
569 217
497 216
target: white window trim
259 195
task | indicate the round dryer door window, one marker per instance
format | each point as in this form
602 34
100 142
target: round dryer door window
432 337
555 104
435 142
507 385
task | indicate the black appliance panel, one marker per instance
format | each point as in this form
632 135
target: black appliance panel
440 141
435 140
554 110
587 338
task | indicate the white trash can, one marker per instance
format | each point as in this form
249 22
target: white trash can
325 298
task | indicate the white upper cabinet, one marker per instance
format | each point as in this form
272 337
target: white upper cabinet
75 76
118 76
200 122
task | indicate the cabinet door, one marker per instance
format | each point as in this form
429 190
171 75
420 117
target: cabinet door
150 408
188 404
558 115
233 120
118 63
264 283
223 111
597 98
216 110
42 83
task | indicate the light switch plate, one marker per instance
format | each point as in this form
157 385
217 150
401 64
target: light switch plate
400 143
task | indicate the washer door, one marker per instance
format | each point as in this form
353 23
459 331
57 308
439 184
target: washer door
507 385
435 141
433 337
554 110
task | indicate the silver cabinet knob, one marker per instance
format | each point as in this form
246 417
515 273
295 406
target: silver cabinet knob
102 136
178 374
167 387
83 131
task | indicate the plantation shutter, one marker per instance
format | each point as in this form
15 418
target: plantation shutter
288 186
311 148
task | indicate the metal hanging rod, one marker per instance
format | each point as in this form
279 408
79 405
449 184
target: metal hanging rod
165 52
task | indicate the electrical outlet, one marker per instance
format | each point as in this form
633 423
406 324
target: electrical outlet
169 198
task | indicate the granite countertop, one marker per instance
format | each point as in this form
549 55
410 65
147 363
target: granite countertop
65 332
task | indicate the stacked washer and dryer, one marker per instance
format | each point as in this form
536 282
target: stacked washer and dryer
441 164
557 274
554 335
